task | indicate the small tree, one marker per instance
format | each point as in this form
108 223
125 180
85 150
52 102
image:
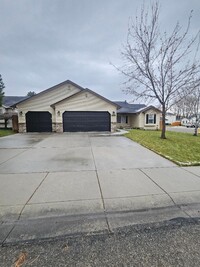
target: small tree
2 86
31 93
158 65
7 116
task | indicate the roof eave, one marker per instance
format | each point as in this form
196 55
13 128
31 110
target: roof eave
150 107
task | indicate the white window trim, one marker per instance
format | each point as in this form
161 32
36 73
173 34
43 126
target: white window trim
153 115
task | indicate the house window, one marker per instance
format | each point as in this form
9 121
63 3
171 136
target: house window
122 119
150 118
118 119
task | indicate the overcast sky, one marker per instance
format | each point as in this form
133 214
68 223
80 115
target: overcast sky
45 42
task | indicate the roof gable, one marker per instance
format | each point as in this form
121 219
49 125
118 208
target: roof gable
133 108
149 107
85 91
55 87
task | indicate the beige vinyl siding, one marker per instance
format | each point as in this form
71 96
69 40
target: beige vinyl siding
85 101
139 120
135 121
152 126
43 102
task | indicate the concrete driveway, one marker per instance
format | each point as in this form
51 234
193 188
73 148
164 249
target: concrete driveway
81 177
36 153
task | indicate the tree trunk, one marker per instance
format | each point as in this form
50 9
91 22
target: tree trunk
163 136
196 127
195 131
6 123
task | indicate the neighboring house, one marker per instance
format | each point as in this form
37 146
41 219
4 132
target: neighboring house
138 116
66 107
170 118
184 121
2 111
6 110
190 120
9 101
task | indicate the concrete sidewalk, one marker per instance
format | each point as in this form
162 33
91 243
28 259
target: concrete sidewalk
54 185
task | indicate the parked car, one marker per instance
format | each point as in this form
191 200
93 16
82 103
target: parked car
190 125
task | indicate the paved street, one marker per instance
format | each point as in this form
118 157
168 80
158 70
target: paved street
169 244
181 129
63 184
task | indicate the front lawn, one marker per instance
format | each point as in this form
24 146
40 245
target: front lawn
4 132
181 148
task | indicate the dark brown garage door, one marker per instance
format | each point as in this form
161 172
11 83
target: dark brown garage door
38 121
86 121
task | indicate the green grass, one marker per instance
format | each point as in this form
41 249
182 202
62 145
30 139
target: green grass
5 132
181 148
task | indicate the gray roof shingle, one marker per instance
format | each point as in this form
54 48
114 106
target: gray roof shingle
129 108
11 100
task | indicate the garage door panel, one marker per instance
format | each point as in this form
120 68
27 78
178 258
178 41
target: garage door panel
85 121
38 121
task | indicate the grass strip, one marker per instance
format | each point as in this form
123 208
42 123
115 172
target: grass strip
4 132
181 148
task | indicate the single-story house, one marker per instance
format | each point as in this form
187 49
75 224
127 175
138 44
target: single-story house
185 121
66 107
7 110
8 102
138 116
191 120
170 118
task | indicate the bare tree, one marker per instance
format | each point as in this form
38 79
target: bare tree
187 106
7 116
2 87
193 103
158 65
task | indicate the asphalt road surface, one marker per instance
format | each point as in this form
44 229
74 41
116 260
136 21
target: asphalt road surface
172 243
182 129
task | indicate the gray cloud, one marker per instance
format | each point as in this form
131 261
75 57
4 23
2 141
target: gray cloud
46 42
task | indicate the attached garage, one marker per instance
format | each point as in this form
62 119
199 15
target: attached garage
38 121
66 107
86 121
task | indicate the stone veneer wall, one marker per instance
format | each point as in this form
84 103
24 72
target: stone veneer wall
113 127
22 127
58 127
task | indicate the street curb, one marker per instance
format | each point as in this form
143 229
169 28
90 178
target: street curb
41 229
